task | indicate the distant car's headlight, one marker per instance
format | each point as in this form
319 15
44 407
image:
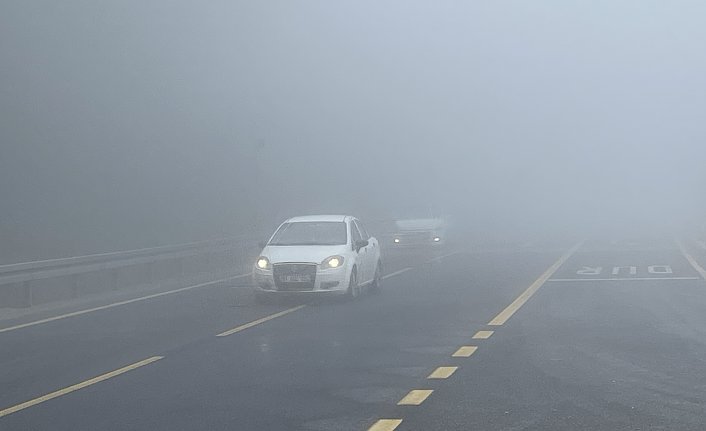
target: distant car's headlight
437 239
396 240
263 262
332 262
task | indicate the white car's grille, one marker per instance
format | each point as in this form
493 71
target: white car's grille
294 276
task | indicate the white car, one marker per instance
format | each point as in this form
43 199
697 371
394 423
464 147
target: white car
325 254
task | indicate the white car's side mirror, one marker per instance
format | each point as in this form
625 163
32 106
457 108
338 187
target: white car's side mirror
361 243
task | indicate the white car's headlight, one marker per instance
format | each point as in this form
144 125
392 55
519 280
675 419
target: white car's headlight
437 239
263 262
332 262
397 240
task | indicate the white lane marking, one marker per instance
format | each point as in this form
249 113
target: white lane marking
78 386
692 261
623 279
259 321
590 270
401 271
117 304
443 256
631 270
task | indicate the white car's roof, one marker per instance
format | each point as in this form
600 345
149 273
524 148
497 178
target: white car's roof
318 218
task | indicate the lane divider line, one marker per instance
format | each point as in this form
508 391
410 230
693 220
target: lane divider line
443 256
78 386
692 261
511 309
622 279
117 304
385 425
465 351
442 373
260 321
401 271
415 397
483 335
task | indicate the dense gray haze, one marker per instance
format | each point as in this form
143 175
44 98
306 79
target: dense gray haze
130 124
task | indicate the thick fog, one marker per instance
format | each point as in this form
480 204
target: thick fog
131 124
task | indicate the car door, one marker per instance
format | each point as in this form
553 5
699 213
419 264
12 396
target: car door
373 253
367 252
361 261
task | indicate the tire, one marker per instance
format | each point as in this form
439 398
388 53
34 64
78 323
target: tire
353 291
376 285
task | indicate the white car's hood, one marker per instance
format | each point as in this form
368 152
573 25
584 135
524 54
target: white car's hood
302 253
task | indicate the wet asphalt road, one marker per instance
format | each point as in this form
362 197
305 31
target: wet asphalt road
613 339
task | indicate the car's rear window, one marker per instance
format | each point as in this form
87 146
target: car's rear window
311 233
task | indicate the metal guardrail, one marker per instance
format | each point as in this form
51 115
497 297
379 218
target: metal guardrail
91 257
26 271
18 280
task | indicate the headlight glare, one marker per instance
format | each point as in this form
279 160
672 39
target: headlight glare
263 262
332 262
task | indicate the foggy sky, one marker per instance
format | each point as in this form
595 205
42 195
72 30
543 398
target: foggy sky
136 123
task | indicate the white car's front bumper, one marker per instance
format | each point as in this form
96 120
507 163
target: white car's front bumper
326 281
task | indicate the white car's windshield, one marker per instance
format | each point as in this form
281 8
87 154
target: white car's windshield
311 233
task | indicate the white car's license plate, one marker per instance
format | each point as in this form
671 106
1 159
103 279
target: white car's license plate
295 278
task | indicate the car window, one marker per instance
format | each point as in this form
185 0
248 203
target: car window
355 235
363 232
311 233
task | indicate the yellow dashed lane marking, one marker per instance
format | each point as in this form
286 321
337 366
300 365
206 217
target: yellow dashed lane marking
415 397
465 351
442 373
511 309
259 321
385 425
483 335
78 386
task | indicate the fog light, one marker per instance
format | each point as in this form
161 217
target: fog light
397 240
437 239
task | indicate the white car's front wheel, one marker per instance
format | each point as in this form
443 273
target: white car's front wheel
376 286
353 287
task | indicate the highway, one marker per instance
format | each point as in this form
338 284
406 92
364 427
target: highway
597 334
